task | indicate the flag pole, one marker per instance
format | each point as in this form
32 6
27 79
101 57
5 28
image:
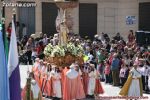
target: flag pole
14 16
3 20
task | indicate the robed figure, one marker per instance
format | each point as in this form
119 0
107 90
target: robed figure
61 27
133 85
73 87
32 90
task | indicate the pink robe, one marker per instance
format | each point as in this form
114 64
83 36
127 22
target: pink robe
37 77
63 77
47 85
98 87
73 89
85 82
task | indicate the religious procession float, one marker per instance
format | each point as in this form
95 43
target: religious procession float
65 53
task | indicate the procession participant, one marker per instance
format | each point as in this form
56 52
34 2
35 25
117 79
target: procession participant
77 68
37 73
43 68
36 65
144 70
133 85
47 84
56 82
63 73
94 85
85 77
31 90
73 87
43 72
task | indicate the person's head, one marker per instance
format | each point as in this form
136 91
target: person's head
91 52
72 66
49 67
53 67
45 36
92 67
131 32
17 24
57 69
96 47
45 63
76 67
40 43
41 62
106 62
30 40
115 55
37 60
135 65
41 35
102 50
130 51
118 34
123 66
31 75
10 25
113 41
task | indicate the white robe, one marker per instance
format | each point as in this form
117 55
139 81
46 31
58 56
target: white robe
92 83
134 89
72 74
56 84
35 89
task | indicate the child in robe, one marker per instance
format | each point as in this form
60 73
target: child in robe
56 82
94 85
32 90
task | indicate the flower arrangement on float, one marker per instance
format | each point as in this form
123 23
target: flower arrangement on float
65 54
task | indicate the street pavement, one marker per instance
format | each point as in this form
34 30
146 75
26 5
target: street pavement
109 90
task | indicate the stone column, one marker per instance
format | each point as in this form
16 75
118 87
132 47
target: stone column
38 16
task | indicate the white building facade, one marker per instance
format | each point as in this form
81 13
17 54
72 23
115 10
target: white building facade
111 15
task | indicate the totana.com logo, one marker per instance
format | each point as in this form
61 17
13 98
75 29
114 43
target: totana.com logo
19 4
